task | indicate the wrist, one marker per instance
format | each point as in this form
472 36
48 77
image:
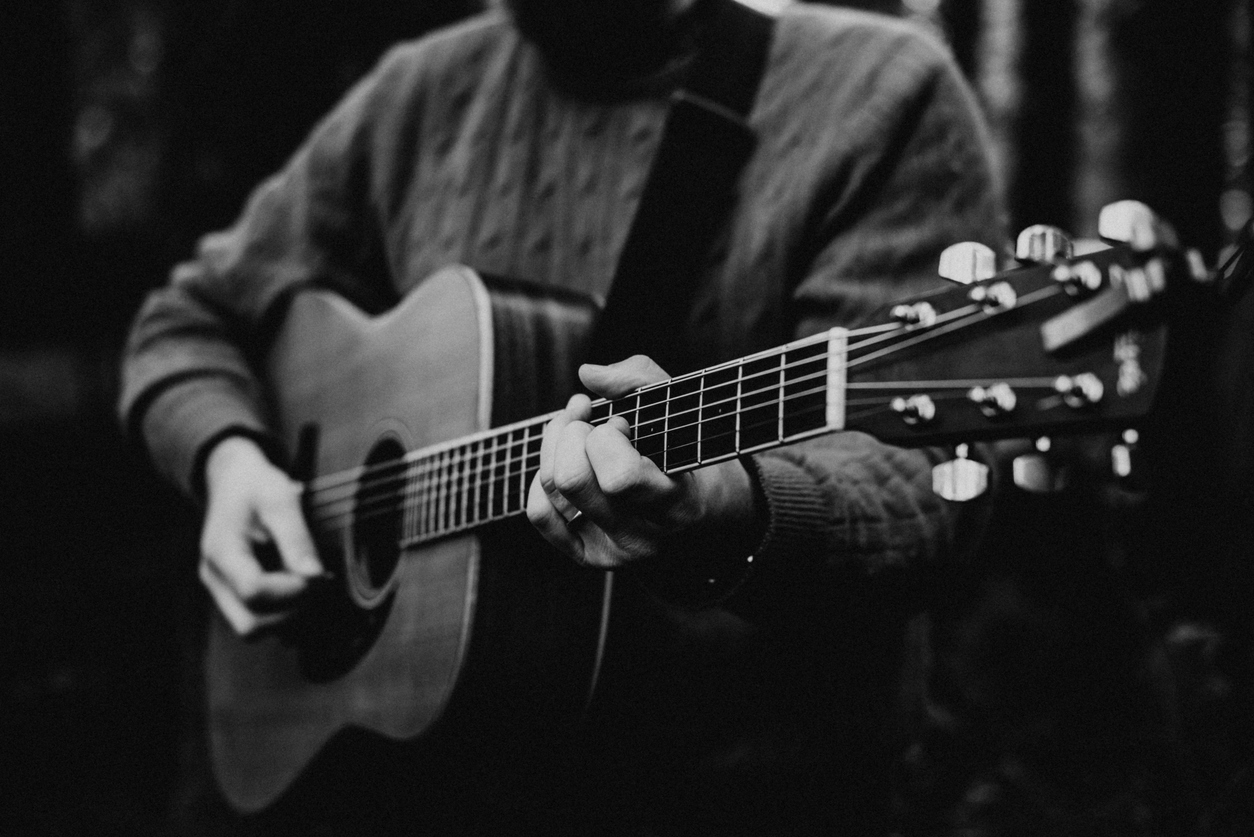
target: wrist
226 454
228 448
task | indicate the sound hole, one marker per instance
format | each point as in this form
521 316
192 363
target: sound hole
377 522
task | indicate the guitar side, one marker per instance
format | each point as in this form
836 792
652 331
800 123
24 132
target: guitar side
407 645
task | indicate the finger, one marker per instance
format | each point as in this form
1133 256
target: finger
577 409
621 473
552 525
235 564
621 378
243 621
284 523
572 472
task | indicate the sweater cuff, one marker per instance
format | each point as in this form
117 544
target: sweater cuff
792 551
185 421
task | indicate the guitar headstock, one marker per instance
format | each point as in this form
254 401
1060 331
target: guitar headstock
1061 342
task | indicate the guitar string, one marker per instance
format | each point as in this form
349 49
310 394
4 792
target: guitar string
459 473
460 469
461 504
350 478
463 453
490 466
433 463
464 470
352 475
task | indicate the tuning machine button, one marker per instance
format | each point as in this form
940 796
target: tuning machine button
1132 223
960 479
914 410
1037 472
995 400
999 296
1043 244
967 262
915 314
1123 456
1079 391
1079 277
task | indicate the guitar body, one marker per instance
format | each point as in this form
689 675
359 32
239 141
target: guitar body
409 640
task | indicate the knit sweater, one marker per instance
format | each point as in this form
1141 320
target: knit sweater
456 149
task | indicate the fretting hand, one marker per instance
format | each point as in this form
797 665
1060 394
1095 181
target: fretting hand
605 505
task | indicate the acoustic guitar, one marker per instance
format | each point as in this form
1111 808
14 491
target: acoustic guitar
409 432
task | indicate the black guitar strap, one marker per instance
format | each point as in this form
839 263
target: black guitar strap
690 190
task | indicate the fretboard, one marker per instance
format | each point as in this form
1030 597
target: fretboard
758 402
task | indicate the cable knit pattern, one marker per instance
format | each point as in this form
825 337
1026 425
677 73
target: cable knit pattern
871 159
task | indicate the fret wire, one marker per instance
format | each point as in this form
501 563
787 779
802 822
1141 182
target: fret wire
427 497
905 344
464 489
517 473
472 487
492 482
909 343
432 493
700 417
474 477
415 470
666 428
482 475
452 490
509 475
884 332
740 384
440 476
780 409
523 481
460 490
441 456
454 526
528 467
446 516
343 480
408 504
422 478
468 486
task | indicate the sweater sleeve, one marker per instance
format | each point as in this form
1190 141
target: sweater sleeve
914 178
188 369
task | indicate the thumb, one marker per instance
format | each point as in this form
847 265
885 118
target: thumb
621 378
285 522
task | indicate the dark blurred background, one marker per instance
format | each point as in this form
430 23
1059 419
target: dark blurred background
129 127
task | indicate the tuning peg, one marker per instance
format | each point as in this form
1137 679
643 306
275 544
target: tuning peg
1135 224
1042 244
1037 472
967 262
1124 456
960 479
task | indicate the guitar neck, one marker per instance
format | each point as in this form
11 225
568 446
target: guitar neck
1012 356
755 403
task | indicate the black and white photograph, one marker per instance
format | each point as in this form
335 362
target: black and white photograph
630 418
